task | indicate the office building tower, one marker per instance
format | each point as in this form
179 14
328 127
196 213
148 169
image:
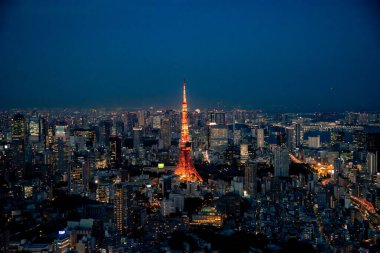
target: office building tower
166 133
119 128
62 131
115 151
77 176
359 139
260 138
236 137
218 118
141 118
35 128
137 134
122 205
61 161
290 138
18 127
218 137
281 162
373 145
298 135
103 192
338 167
18 143
314 141
336 137
250 178
372 164
105 128
156 122
244 155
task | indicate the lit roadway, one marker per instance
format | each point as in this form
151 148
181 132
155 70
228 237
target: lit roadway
294 159
367 210
323 170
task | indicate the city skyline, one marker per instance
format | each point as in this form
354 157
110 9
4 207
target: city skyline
189 126
279 57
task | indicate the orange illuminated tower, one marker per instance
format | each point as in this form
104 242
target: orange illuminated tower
185 167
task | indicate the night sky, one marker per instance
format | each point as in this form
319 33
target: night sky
273 55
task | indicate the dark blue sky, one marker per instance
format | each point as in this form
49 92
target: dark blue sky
275 55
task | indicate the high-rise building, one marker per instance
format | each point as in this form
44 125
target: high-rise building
166 133
359 139
298 135
185 167
290 138
250 178
78 176
35 128
372 163
119 127
105 128
156 122
338 167
141 118
336 137
122 204
115 149
218 118
373 145
18 143
314 141
137 133
244 154
260 138
103 192
218 137
236 137
281 162
62 131
18 127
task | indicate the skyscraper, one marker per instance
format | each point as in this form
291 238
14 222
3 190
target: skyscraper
290 138
185 167
260 138
298 135
166 133
105 127
115 149
122 204
281 162
244 154
18 127
250 178
338 166
18 143
78 176
35 128
373 145
137 133
372 164
141 118
217 117
314 141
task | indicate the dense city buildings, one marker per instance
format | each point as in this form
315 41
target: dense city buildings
271 145
118 180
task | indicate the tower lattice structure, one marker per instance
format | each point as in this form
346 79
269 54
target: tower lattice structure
185 167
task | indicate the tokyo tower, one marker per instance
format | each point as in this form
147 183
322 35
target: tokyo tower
185 167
